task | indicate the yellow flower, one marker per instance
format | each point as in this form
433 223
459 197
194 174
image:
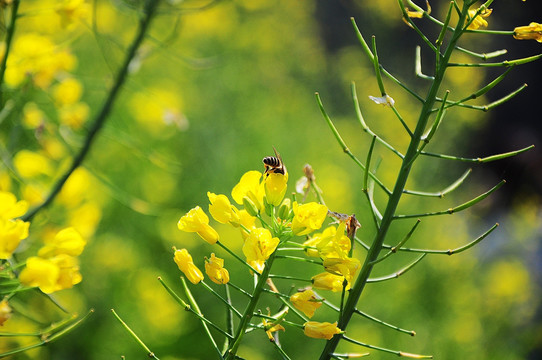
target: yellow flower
33 117
68 91
74 115
479 21
69 274
531 32
258 246
30 164
222 210
11 234
327 281
214 268
270 328
40 272
38 58
346 267
78 187
321 330
185 263
330 243
249 186
5 312
67 241
247 221
71 11
308 217
10 208
306 301
159 107
275 187
196 221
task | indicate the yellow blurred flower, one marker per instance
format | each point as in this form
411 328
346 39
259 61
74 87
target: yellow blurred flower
74 115
308 217
76 188
5 312
33 194
5 182
10 208
71 11
67 241
197 221
479 21
68 91
36 57
306 301
30 164
85 218
249 186
327 281
33 117
258 246
53 148
531 32
275 187
185 263
222 210
214 268
158 108
321 330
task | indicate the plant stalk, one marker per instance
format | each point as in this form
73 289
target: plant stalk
388 216
148 14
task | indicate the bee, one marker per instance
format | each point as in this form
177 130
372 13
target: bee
274 164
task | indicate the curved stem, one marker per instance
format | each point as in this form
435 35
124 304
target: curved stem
9 37
148 14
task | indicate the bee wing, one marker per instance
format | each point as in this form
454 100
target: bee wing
277 155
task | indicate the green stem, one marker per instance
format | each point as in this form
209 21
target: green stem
99 121
9 37
249 311
393 201
150 354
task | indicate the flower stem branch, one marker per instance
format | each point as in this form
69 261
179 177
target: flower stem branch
100 118
8 41
393 200
150 354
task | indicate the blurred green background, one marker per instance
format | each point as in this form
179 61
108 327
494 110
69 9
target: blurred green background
215 87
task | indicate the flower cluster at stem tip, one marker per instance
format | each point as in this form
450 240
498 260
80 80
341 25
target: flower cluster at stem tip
56 266
267 220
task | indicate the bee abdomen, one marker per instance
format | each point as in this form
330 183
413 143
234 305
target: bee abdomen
271 161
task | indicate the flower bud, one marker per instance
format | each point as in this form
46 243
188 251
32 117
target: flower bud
250 207
196 221
185 263
284 210
320 330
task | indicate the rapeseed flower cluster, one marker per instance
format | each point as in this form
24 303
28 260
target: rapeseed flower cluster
55 266
269 222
